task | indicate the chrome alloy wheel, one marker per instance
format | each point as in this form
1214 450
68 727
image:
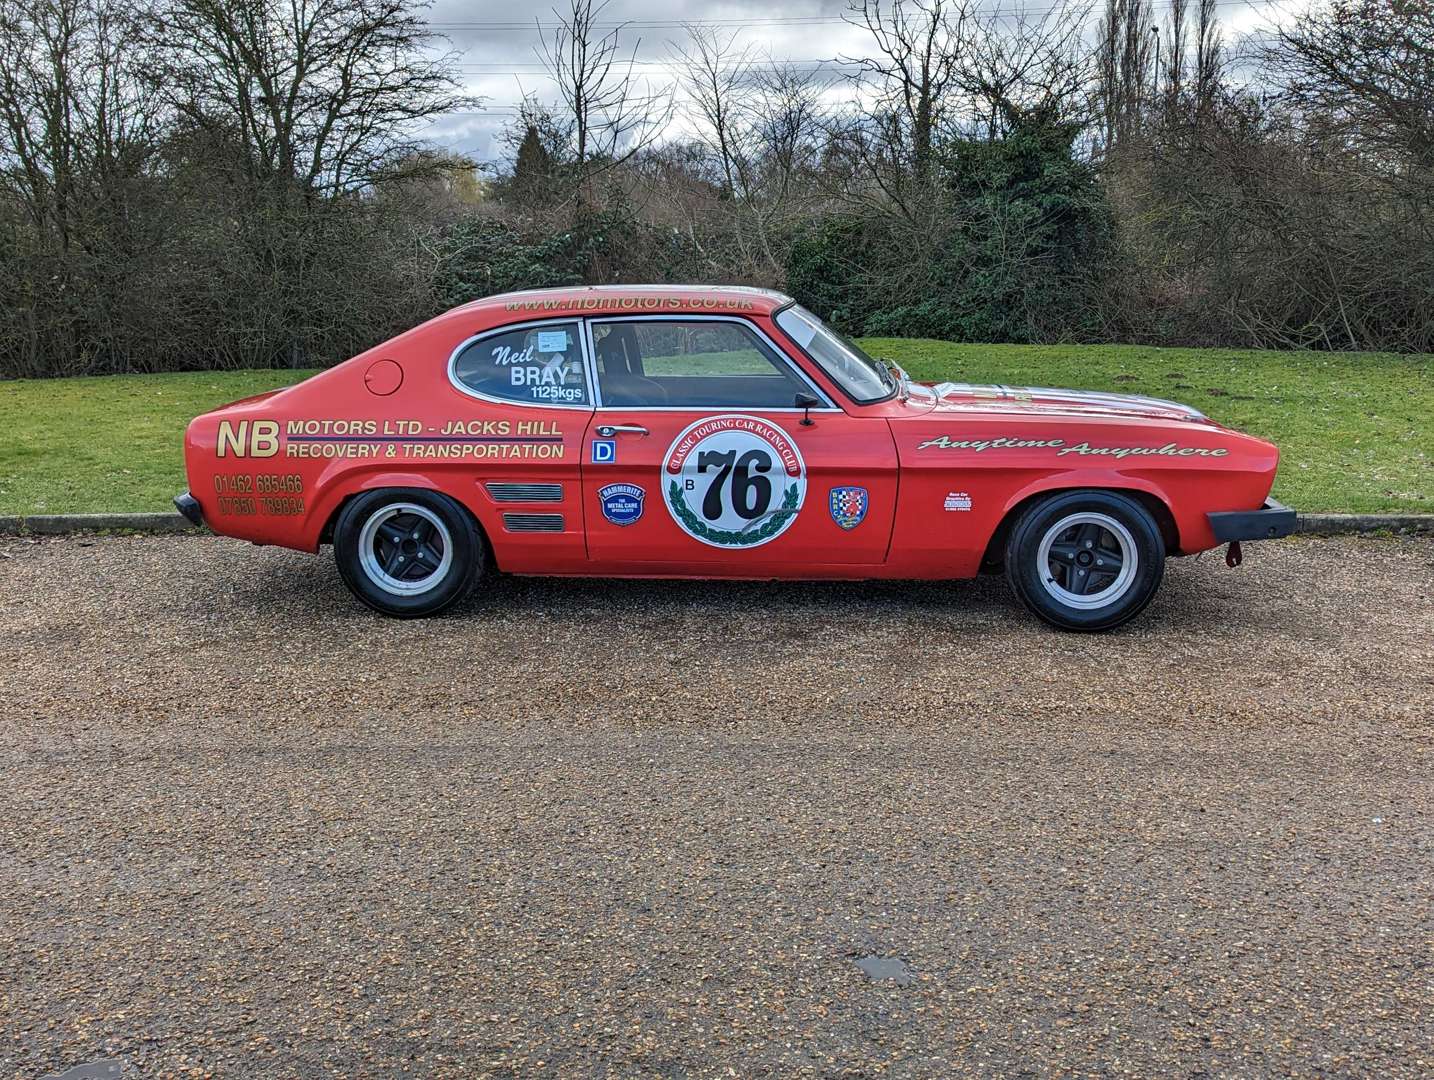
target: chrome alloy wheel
1087 560
405 549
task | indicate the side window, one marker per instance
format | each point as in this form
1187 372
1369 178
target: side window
690 364
536 365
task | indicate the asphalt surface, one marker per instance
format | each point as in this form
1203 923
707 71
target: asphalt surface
248 828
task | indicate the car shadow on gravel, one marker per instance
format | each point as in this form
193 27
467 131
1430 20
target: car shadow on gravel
299 585
986 600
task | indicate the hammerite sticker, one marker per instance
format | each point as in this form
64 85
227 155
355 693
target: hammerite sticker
622 503
734 481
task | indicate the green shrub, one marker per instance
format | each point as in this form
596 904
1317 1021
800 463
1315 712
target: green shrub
1016 236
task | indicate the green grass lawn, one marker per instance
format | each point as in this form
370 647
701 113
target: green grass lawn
1356 429
110 444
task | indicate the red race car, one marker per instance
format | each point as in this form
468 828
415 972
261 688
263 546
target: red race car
661 431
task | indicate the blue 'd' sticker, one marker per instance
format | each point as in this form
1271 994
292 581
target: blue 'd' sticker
604 451
622 503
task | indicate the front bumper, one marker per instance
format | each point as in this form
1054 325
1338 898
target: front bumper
1270 522
189 506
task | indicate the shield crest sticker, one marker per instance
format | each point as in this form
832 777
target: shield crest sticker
622 503
848 506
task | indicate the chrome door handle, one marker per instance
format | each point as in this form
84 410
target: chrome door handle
607 431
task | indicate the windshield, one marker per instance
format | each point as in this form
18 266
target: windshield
859 375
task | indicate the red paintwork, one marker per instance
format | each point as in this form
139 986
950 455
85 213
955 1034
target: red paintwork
402 386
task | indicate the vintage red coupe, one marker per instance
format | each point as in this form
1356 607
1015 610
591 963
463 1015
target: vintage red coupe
661 431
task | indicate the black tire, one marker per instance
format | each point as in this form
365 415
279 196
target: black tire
424 551
1090 539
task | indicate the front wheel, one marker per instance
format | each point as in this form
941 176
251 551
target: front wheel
1085 560
408 552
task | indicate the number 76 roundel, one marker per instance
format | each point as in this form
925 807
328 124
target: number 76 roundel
734 481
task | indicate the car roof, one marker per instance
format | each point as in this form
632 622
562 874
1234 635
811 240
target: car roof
631 300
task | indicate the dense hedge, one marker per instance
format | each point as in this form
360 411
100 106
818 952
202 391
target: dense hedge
1013 247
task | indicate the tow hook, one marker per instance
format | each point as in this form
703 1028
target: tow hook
1233 558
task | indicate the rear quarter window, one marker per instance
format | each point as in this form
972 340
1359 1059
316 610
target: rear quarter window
530 365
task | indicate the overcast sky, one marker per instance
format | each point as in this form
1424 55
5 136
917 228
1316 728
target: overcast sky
496 40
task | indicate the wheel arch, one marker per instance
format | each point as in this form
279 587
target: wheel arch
992 560
339 494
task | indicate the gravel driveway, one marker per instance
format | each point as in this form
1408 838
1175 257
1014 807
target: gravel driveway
600 828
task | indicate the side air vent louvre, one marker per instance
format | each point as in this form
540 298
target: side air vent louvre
511 493
549 523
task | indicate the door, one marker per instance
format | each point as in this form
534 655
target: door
699 459
517 438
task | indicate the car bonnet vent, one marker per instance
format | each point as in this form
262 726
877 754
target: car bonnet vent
511 493
542 523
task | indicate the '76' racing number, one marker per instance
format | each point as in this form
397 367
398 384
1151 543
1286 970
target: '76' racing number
734 481
751 492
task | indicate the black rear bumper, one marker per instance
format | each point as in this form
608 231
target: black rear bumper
1272 521
189 506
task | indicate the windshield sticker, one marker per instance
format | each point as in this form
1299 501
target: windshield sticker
1083 449
734 481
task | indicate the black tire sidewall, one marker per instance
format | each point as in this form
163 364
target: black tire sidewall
1023 545
469 556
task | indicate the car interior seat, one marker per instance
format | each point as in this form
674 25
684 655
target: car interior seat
619 364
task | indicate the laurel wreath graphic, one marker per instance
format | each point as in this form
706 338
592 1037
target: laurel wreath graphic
732 537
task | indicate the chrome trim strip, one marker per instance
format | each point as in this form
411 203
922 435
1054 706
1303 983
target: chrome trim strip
510 492
542 523
781 354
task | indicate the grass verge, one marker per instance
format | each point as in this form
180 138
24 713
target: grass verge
112 444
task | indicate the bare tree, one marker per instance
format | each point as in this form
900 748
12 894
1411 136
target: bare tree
75 110
787 122
80 129
1022 64
1177 31
1191 66
327 94
758 120
1365 67
715 72
612 114
919 46
1209 58
1125 61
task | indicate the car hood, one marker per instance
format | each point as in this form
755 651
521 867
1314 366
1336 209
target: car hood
972 397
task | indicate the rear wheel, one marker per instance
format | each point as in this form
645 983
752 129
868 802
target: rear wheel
1085 560
408 552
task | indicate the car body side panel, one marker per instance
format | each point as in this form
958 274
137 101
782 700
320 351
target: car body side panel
839 452
961 476
947 464
276 469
